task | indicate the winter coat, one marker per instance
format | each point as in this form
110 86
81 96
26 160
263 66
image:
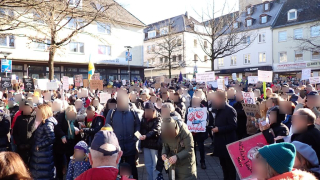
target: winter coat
125 124
76 168
226 121
314 110
42 161
183 144
187 100
241 120
93 127
99 174
151 129
175 115
294 175
81 114
311 137
22 130
13 110
4 131
18 113
180 108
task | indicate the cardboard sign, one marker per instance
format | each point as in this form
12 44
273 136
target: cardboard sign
265 76
251 110
197 119
205 77
65 81
104 97
253 79
221 84
96 84
242 153
314 80
28 84
52 86
306 74
78 80
248 97
85 83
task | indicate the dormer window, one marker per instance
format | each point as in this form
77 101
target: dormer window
263 18
249 22
292 15
236 25
266 6
249 10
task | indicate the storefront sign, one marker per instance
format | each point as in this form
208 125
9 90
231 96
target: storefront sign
313 64
291 66
6 83
197 119
113 61
28 84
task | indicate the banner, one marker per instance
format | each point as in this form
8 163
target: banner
265 76
6 83
205 77
96 84
65 81
28 84
197 119
242 153
104 97
306 74
253 79
248 97
252 110
314 80
78 80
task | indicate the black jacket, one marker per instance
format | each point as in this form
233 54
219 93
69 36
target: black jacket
311 137
96 125
180 107
226 121
151 129
13 110
241 119
42 161
22 126
279 129
4 130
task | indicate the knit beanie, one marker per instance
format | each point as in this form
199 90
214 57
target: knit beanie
81 145
279 156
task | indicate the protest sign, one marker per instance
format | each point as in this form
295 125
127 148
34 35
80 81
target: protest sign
41 83
85 83
52 86
78 80
96 76
306 74
197 119
251 110
205 77
242 153
315 74
96 84
248 97
83 93
65 82
28 84
221 84
299 76
252 79
213 84
124 82
226 81
314 80
104 97
234 76
265 76
71 81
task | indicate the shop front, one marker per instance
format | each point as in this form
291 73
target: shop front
250 70
291 69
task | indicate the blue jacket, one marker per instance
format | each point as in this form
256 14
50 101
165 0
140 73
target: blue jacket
125 124
76 168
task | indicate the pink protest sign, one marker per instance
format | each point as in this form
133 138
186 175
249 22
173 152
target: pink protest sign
242 153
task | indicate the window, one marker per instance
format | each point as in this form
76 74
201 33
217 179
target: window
7 41
315 31
37 18
195 43
180 57
205 44
179 42
233 61
249 10
282 36
195 57
174 58
153 61
2 12
7 13
75 3
298 33
220 62
283 57
164 31
246 59
104 50
74 23
266 6
76 47
248 40
166 60
264 19
262 57
104 28
153 48
152 34
298 55
292 14
235 25
149 48
249 22
315 55
205 58
42 45
161 60
262 38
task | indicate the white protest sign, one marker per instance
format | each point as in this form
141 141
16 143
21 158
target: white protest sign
104 97
314 80
253 79
42 84
240 75
234 76
248 97
71 80
83 93
315 74
124 82
306 74
213 84
221 85
65 81
205 77
197 119
265 76
52 86
226 81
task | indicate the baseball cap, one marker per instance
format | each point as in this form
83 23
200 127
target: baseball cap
101 141
313 93
29 103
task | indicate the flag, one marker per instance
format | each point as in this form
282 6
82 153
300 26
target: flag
180 77
90 69
145 83
264 90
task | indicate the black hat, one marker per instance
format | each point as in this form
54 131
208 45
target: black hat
149 105
113 100
313 93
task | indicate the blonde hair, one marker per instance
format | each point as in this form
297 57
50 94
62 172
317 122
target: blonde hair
46 111
71 108
11 164
270 172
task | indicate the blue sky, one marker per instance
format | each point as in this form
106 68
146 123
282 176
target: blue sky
150 11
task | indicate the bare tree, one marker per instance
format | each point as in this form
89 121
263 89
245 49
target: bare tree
222 36
168 48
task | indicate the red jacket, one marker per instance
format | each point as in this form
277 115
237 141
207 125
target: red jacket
99 174
15 118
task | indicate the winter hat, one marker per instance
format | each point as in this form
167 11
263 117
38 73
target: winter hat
81 145
307 152
149 105
279 156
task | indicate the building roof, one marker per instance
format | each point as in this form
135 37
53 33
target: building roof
307 11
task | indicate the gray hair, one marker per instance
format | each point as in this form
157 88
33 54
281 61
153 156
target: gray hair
169 106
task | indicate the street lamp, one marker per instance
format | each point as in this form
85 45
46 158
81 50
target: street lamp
5 54
195 70
128 58
28 71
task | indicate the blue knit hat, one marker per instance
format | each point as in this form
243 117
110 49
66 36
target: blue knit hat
279 156
81 145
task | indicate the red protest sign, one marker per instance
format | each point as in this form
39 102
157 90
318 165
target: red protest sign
242 153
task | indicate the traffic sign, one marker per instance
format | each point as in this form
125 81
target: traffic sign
6 66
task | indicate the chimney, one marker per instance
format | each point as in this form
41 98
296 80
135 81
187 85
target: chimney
187 15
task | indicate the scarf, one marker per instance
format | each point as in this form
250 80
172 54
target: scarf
71 130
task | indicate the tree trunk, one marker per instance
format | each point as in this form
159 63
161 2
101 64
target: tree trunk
170 67
212 63
52 53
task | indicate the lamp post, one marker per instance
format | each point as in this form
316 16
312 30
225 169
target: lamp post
28 71
5 54
128 59
195 67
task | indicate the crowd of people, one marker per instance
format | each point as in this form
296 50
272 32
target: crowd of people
73 136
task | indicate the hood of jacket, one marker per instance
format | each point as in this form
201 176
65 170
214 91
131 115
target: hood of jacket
52 120
295 175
